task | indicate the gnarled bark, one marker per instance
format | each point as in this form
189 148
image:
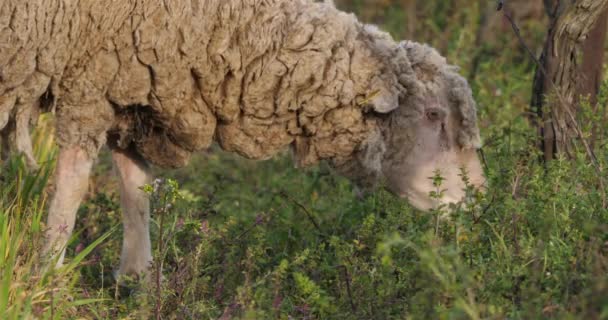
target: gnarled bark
555 83
592 70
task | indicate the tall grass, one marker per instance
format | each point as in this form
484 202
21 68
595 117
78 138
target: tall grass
26 289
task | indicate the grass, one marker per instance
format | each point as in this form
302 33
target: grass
262 240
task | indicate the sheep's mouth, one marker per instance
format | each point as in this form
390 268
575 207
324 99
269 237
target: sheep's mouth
419 199
422 200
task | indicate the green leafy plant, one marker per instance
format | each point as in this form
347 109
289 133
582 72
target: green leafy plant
238 239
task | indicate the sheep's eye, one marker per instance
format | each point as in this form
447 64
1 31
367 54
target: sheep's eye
433 115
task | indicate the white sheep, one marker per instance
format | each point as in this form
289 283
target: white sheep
159 80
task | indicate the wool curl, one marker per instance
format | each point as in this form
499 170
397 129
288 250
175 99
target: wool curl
168 79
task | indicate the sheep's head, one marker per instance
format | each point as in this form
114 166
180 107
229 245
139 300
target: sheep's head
432 130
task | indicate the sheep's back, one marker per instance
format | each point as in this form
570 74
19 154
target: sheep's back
171 77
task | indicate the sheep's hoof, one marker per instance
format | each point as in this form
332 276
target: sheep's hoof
128 283
31 165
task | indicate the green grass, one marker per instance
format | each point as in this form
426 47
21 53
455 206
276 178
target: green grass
262 240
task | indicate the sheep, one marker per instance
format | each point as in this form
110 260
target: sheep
159 80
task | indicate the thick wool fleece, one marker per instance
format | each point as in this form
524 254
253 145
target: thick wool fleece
170 77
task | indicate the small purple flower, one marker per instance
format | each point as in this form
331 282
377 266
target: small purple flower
180 224
303 309
259 219
205 227
277 302
79 248
217 294
63 228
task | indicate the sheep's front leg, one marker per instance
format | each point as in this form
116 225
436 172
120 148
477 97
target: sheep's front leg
71 183
136 255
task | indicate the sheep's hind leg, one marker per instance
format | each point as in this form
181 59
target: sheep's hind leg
71 183
23 139
16 134
136 254
5 148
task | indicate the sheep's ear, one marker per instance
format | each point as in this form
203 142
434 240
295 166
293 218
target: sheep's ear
384 102
380 101
383 96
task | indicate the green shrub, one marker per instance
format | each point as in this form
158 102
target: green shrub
262 240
